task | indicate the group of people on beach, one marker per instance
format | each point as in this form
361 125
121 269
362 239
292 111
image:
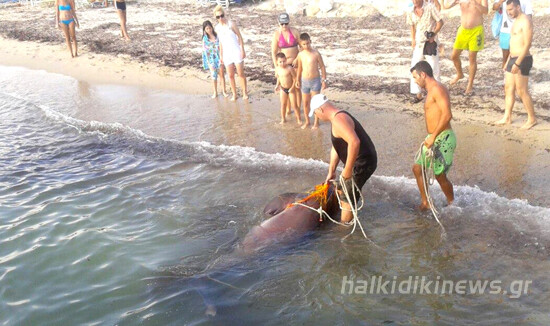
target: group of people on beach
515 37
67 21
300 74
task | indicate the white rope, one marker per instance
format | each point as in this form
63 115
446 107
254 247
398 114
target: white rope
428 177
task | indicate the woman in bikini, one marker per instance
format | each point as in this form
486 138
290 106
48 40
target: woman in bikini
120 6
65 18
285 40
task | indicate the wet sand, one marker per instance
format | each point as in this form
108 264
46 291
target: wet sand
367 68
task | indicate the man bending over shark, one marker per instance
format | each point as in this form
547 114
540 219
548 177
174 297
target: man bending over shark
350 144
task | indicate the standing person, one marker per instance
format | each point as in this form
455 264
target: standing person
65 19
286 79
426 22
120 6
470 37
211 56
309 62
505 28
441 137
520 62
350 144
285 40
231 50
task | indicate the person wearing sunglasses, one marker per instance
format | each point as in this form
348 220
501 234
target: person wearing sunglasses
232 52
285 40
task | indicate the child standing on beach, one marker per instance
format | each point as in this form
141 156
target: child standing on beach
211 56
286 78
309 62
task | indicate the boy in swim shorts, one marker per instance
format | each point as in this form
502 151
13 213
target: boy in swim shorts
308 79
286 79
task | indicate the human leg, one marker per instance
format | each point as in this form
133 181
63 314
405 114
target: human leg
65 30
231 74
509 99
122 15
73 37
472 69
521 83
415 89
420 181
283 96
242 77
306 99
295 108
221 73
455 57
446 187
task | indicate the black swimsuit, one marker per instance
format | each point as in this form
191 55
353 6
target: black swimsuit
366 161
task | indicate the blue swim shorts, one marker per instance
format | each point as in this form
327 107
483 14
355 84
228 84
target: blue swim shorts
309 85
504 41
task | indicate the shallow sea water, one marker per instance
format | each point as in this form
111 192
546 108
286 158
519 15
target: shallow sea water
124 206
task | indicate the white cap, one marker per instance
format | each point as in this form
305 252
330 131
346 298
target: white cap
316 102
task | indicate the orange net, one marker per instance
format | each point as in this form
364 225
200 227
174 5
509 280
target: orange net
320 194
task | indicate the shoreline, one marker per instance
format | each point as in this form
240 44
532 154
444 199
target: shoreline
353 92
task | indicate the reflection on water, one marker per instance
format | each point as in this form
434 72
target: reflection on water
134 219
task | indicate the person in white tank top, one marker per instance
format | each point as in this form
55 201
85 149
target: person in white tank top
232 52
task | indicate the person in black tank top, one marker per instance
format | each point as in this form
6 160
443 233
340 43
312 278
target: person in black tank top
350 144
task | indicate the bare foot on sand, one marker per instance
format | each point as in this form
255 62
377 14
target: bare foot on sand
225 94
214 95
299 121
528 125
282 121
456 79
304 126
502 122
245 96
469 91
234 97
315 126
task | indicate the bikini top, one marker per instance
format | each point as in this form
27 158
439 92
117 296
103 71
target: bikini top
283 44
65 8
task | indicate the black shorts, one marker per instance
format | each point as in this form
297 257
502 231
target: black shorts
362 171
524 67
120 5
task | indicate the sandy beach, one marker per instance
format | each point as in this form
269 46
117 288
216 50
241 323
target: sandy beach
367 61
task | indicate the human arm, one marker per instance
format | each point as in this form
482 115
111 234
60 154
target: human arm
437 5
527 36
274 48
323 71
413 36
436 30
441 99
483 8
278 83
449 6
293 73
57 13
333 163
498 4
298 71
73 11
239 36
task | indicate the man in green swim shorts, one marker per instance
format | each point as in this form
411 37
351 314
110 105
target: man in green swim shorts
441 137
